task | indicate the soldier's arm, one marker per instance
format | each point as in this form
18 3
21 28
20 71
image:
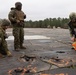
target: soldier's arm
11 16
3 41
24 15
71 28
1 37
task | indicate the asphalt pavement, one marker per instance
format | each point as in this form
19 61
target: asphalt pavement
48 52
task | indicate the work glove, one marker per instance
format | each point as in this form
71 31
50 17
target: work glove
20 23
73 39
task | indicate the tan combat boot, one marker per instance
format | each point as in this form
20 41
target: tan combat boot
17 49
9 54
22 47
1 56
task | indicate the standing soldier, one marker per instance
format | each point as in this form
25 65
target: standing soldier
72 26
4 23
17 16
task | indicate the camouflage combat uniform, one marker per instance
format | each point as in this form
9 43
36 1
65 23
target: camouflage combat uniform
72 28
17 20
72 24
3 44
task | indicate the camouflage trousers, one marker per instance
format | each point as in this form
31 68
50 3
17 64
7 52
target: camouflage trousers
3 47
18 33
71 32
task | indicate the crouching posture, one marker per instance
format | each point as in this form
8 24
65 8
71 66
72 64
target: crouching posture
72 28
3 44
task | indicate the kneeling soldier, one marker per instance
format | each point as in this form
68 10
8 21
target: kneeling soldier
3 44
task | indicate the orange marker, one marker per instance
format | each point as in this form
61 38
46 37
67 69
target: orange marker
74 45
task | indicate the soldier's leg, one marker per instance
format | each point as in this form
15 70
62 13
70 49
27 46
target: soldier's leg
2 51
4 48
22 38
16 33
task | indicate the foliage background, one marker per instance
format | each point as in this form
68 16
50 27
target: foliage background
48 23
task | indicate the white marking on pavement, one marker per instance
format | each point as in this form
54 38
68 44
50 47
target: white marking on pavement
30 37
9 32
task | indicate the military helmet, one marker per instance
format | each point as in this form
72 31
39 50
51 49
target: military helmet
18 3
72 15
5 22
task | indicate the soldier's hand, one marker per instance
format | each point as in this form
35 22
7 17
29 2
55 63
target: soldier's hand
73 38
17 21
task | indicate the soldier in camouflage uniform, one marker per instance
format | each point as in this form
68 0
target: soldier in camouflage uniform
17 16
4 23
72 26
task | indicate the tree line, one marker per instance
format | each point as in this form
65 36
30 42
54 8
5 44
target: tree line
48 23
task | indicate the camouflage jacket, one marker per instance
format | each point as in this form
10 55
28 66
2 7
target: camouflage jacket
72 27
2 35
15 16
